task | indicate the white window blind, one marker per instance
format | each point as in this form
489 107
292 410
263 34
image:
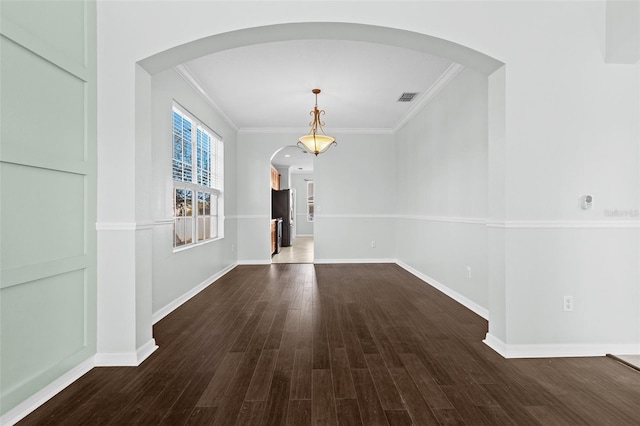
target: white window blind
198 175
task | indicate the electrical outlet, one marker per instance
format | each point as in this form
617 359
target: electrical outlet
468 271
568 304
233 248
373 244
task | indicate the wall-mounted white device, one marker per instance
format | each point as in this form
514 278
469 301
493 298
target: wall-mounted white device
586 202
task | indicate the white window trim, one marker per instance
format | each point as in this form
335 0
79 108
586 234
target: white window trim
215 164
311 200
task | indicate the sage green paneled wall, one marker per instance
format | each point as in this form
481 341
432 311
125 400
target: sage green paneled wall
47 193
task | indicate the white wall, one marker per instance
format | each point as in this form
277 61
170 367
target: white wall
299 182
176 273
442 189
355 199
254 152
570 127
346 224
285 176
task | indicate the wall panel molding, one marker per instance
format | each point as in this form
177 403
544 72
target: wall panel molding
19 35
27 273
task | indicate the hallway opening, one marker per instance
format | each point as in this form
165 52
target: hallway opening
300 252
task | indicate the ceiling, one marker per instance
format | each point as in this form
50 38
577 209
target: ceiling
267 87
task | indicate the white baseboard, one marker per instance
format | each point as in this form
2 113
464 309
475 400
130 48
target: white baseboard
304 235
146 350
166 310
325 261
560 350
126 359
496 344
468 303
116 359
27 406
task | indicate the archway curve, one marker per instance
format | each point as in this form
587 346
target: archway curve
320 30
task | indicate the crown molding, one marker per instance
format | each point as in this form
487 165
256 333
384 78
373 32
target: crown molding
444 79
186 74
304 131
449 74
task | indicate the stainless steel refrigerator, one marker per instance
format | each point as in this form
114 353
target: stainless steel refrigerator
282 206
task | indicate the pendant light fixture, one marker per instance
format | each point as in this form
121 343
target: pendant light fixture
316 143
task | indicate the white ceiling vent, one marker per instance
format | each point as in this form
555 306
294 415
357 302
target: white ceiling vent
407 96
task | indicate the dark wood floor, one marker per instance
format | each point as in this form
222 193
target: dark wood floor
339 344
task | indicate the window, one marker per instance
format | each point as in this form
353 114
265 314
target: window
309 201
198 175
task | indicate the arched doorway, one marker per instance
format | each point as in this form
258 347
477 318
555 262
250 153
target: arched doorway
248 247
291 207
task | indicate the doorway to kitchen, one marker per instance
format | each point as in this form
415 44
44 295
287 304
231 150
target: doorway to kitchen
300 252
292 206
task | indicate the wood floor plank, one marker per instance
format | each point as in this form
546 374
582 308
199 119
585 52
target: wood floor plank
513 409
354 350
305 329
218 385
362 331
299 413
373 316
261 381
323 412
387 391
334 333
234 397
246 333
497 416
301 380
244 348
286 353
547 416
370 407
341 374
320 353
201 416
469 412
398 418
448 416
292 322
348 412
251 413
278 403
430 390
277 327
413 400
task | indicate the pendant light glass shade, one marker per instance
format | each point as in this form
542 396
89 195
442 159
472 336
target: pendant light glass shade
316 143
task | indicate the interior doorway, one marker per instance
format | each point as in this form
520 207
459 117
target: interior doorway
300 252
292 206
